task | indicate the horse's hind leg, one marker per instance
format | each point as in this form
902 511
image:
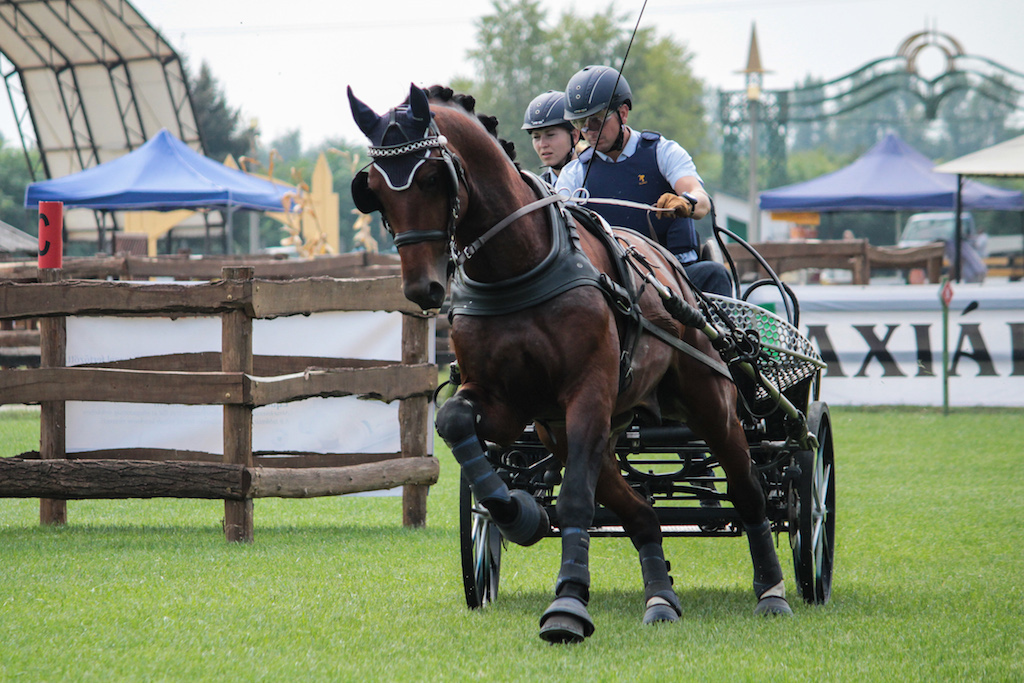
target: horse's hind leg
643 527
517 514
727 441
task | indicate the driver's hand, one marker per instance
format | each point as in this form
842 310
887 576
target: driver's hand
680 205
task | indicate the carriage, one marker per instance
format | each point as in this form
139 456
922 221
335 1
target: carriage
645 394
672 468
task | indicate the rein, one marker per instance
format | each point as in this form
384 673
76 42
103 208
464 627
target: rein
467 253
457 176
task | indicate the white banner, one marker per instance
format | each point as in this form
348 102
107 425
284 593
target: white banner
884 344
338 425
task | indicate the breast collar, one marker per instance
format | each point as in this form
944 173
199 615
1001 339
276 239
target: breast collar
565 267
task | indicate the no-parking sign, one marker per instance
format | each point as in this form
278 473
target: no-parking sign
946 293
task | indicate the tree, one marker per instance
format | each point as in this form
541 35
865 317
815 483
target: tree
667 96
14 178
218 123
518 58
294 165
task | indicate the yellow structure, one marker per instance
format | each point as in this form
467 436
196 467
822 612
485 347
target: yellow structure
363 236
153 224
318 228
315 230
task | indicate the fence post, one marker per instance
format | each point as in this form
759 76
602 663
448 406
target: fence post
53 342
236 356
414 417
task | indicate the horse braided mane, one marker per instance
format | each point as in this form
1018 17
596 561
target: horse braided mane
446 95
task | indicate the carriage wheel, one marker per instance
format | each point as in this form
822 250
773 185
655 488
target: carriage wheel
812 511
481 550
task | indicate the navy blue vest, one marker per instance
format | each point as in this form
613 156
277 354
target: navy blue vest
638 179
548 176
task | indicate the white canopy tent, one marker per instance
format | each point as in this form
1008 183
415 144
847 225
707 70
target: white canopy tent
1005 159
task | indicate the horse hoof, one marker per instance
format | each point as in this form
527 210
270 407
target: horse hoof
562 629
657 614
773 606
566 621
531 521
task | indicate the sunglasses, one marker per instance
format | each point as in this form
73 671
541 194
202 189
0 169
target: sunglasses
593 122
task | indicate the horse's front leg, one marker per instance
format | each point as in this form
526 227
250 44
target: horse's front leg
517 514
587 442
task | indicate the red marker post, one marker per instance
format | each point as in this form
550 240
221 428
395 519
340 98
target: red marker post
51 234
52 353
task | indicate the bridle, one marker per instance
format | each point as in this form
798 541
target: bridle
456 177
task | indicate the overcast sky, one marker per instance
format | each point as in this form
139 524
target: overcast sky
287 64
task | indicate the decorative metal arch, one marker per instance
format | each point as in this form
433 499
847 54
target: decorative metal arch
880 78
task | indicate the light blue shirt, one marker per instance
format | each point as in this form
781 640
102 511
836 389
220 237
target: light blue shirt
674 162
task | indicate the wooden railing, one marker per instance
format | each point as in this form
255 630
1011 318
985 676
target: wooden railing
129 267
233 378
857 256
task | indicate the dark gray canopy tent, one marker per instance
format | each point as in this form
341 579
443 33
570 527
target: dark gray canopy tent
892 176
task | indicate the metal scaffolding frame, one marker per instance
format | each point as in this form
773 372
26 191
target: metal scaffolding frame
872 81
89 81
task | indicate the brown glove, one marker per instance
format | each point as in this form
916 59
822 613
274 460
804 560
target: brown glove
680 205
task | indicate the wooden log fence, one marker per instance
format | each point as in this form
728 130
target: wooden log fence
857 256
234 378
184 267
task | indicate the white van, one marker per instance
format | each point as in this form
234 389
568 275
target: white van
936 226
940 226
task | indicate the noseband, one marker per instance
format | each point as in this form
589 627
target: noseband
456 175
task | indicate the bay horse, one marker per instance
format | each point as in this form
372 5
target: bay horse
536 340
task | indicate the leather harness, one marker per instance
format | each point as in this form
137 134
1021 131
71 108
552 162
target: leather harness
564 268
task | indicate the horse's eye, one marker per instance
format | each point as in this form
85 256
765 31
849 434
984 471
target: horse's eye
429 182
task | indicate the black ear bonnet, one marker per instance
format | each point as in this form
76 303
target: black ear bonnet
400 142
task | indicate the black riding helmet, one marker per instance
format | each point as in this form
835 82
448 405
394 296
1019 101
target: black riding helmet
594 89
545 111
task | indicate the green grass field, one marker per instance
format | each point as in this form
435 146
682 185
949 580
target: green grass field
929 583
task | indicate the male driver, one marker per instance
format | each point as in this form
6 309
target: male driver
622 163
554 138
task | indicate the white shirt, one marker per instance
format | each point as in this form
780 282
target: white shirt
674 162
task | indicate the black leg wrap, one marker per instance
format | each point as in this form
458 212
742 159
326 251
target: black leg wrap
456 423
566 620
487 486
769 586
529 523
574 576
767 571
661 601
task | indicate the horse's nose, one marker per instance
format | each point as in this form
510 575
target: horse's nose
425 295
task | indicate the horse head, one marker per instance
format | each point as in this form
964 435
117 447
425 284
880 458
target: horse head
416 183
440 178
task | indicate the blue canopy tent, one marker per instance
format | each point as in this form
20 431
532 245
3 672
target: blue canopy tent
891 176
163 174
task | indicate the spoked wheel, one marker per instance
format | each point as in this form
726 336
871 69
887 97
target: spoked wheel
481 550
812 511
